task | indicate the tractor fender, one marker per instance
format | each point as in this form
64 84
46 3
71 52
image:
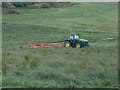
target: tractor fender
67 40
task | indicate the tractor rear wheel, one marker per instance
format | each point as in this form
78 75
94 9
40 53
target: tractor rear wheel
67 44
77 45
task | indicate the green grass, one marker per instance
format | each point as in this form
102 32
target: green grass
0 48
96 66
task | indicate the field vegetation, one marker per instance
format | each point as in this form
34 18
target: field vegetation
92 67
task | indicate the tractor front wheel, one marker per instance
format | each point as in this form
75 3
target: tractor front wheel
77 45
67 44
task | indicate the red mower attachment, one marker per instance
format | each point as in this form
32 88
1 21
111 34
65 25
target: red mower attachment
46 44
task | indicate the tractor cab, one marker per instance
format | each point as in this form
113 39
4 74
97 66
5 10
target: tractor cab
75 41
74 36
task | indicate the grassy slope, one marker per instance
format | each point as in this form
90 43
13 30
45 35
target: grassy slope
57 66
0 48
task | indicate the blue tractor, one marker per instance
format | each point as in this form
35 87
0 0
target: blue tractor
75 41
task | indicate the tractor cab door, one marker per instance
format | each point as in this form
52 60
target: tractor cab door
73 39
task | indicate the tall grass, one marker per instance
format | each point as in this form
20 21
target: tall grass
95 66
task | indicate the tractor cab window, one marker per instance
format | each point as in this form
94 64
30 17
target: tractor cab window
71 37
76 36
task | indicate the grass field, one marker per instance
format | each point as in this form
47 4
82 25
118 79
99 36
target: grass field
96 66
0 48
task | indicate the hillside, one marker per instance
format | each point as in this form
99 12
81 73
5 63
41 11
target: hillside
96 66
